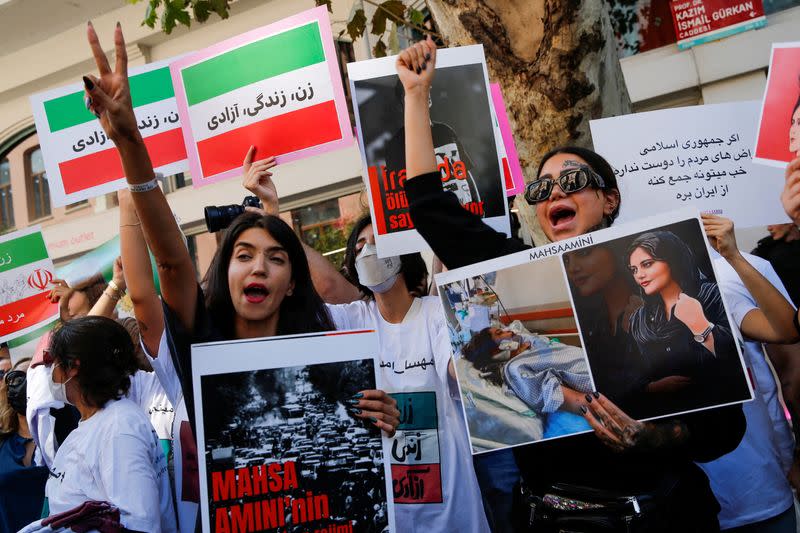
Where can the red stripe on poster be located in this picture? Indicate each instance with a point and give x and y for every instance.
(30, 310)
(507, 174)
(377, 201)
(283, 134)
(103, 167)
(335, 333)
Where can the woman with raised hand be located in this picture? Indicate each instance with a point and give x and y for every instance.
(773, 321)
(575, 193)
(258, 284)
(150, 318)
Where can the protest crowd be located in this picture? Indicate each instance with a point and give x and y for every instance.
(680, 420)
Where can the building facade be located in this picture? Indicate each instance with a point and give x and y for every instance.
(322, 195)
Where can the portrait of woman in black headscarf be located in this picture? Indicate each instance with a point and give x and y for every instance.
(685, 340)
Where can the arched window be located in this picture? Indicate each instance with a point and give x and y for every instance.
(38, 188)
(6, 205)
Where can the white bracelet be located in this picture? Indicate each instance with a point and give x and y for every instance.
(143, 187)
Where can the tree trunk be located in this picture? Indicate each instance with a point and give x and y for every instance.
(556, 62)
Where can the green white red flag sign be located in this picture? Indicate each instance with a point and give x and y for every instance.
(81, 162)
(26, 271)
(277, 87)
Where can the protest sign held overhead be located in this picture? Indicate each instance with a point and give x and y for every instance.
(278, 88)
(527, 354)
(778, 140)
(702, 21)
(279, 446)
(699, 156)
(467, 145)
(26, 271)
(514, 180)
(81, 162)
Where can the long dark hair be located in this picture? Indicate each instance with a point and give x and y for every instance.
(478, 351)
(412, 266)
(668, 247)
(597, 163)
(105, 352)
(302, 312)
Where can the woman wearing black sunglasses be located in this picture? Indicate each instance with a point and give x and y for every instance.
(653, 461)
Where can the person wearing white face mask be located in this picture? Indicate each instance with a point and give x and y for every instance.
(113, 455)
(416, 368)
(435, 488)
(378, 274)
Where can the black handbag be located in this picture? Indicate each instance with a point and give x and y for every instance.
(565, 508)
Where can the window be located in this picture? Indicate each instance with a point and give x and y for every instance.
(326, 225)
(37, 187)
(174, 182)
(6, 205)
(77, 205)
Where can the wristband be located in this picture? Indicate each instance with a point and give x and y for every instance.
(114, 287)
(113, 294)
(143, 187)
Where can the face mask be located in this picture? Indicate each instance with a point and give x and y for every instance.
(16, 385)
(59, 390)
(376, 273)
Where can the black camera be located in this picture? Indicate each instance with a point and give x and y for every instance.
(219, 217)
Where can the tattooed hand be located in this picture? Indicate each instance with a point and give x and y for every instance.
(620, 432)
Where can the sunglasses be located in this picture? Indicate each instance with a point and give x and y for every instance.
(14, 378)
(570, 181)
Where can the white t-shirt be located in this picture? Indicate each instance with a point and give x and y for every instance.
(434, 482)
(750, 483)
(115, 456)
(146, 391)
(184, 449)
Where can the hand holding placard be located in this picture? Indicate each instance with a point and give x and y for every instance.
(412, 65)
(721, 237)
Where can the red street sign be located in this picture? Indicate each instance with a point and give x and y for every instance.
(40, 279)
(699, 21)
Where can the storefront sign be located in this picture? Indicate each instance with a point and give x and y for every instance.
(702, 21)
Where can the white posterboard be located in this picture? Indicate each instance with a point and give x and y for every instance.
(699, 156)
(277, 407)
(549, 344)
(469, 148)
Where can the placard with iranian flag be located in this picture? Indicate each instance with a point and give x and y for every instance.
(81, 162)
(26, 271)
(278, 88)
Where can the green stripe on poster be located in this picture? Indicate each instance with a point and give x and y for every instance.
(21, 251)
(260, 60)
(34, 335)
(146, 88)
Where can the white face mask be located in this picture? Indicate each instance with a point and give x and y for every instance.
(59, 390)
(376, 273)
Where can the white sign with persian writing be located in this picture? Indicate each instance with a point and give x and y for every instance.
(699, 156)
